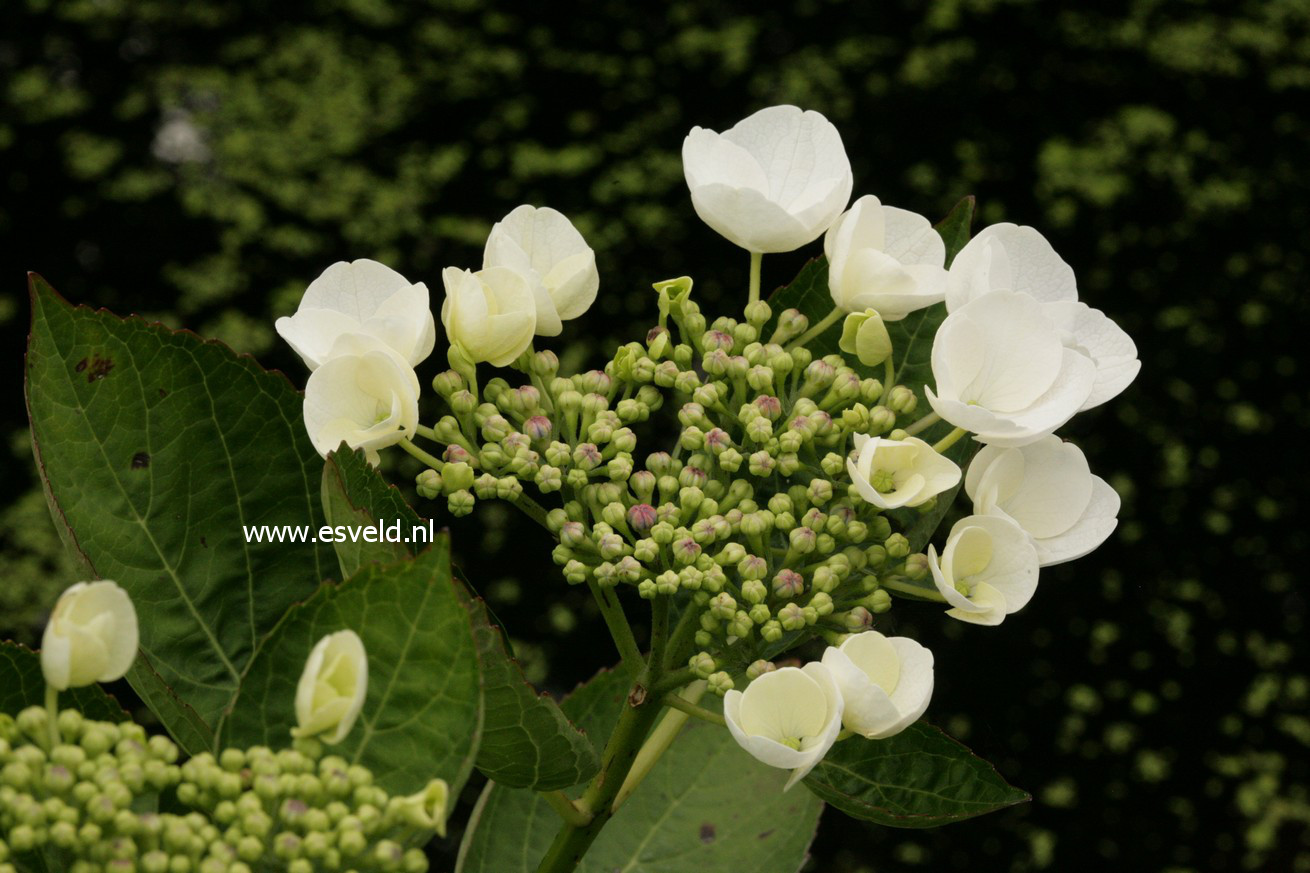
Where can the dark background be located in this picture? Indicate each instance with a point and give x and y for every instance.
(199, 163)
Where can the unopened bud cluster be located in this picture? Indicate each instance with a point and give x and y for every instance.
(751, 511)
(81, 805)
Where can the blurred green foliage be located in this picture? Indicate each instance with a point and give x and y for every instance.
(200, 162)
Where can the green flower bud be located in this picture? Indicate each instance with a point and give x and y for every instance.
(788, 583)
(720, 683)
(791, 616)
(879, 601)
(761, 464)
(428, 484)
(771, 631)
(916, 567)
(897, 546)
(702, 664)
(730, 460)
(857, 619)
(865, 336)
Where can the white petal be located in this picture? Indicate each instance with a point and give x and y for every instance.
(710, 159)
(1034, 267)
(867, 707)
(990, 610)
(355, 289)
(312, 332)
(1054, 488)
(748, 219)
(1107, 344)
(914, 690)
(1097, 523)
(946, 587)
(1012, 570)
(911, 239)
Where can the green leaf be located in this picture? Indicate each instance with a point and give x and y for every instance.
(423, 712)
(22, 685)
(527, 741)
(919, 778)
(349, 500)
(706, 806)
(156, 448)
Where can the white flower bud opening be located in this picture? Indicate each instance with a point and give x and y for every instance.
(490, 315)
(544, 247)
(91, 636)
(365, 395)
(895, 473)
(884, 258)
(331, 691)
(987, 570)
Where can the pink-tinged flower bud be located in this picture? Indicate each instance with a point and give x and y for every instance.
(455, 454)
(788, 583)
(770, 407)
(717, 341)
(858, 619)
(641, 516)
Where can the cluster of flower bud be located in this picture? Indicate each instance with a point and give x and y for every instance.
(752, 512)
(82, 803)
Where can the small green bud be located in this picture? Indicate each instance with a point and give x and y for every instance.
(857, 619)
(771, 631)
(720, 683)
(897, 546)
(702, 664)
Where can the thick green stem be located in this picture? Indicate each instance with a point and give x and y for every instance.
(754, 294)
(888, 378)
(682, 634)
(617, 622)
(665, 732)
(828, 321)
(572, 841)
(659, 629)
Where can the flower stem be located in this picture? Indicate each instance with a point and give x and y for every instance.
(427, 433)
(431, 460)
(572, 841)
(665, 732)
(756, 258)
(568, 811)
(949, 440)
(922, 424)
(828, 321)
(675, 701)
(52, 714)
(617, 622)
(913, 590)
(888, 379)
(532, 509)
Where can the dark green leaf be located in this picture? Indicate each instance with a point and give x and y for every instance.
(355, 498)
(423, 714)
(706, 806)
(917, 779)
(22, 685)
(157, 448)
(527, 741)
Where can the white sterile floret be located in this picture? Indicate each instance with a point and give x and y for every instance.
(1047, 489)
(91, 636)
(884, 258)
(771, 183)
(332, 687)
(490, 315)
(1006, 257)
(365, 395)
(895, 473)
(361, 297)
(987, 570)
(788, 718)
(1003, 372)
(545, 247)
(885, 682)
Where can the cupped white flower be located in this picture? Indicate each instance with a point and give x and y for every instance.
(895, 473)
(987, 570)
(332, 688)
(1009, 258)
(545, 247)
(1003, 372)
(884, 258)
(365, 395)
(1048, 490)
(885, 682)
(771, 183)
(91, 636)
(361, 297)
(788, 718)
(491, 315)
